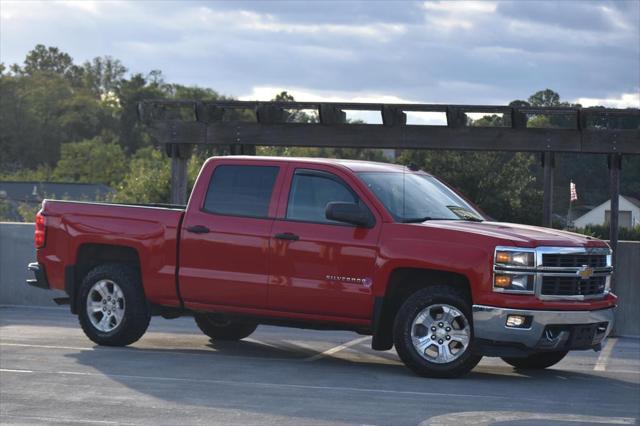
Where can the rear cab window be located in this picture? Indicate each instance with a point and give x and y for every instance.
(241, 190)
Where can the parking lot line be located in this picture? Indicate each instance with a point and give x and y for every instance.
(603, 358)
(67, 420)
(26, 345)
(9, 370)
(336, 349)
(486, 418)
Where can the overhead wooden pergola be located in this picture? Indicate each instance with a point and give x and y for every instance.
(243, 125)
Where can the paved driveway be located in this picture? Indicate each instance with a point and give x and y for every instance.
(50, 373)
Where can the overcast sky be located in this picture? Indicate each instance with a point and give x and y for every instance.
(433, 52)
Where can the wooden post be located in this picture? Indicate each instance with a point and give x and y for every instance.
(615, 164)
(236, 149)
(548, 162)
(179, 158)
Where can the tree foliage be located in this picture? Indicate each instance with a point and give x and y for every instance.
(93, 160)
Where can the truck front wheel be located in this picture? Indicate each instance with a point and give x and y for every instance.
(113, 310)
(536, 361)
(219, 328)
(433, 334)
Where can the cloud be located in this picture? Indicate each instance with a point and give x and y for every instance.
(626, 100)
(443, 52)
(451, 15)
(371, 117)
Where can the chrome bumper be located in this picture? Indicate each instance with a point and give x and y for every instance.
(547, 330)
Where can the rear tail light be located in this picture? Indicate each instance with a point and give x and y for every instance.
(40, 236)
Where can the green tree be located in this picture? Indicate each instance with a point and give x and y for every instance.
(545, 98)
(149, 177)
(97, 160)
(104, 75)
(51, 60)
(43, 104)
(133, 134)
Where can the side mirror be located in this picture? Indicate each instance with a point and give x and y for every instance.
(353, 213)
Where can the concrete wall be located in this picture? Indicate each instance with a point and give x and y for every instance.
(16, 251)
(627, 287)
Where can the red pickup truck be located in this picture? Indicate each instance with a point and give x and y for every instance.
(378, 249)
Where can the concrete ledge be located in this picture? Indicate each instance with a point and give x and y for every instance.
(627, 288)
(16, 251)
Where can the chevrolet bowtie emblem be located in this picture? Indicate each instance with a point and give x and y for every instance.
(585, 272)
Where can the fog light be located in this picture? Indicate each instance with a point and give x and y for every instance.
(516, 321)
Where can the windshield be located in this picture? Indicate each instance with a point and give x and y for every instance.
(412, 197)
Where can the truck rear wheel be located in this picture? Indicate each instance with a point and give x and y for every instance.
(219, 328)
(113, 310)
(536, 361)
(433, 334)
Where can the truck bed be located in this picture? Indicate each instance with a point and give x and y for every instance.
(151, 231)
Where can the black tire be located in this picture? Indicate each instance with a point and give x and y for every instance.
(410, 309)
(536, 361)
(136, 317)
(218, 328)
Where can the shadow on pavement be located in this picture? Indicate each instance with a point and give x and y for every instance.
(275, 380)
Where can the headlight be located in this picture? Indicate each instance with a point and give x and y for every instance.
(516, 283)
(514, 270)
(515, 258)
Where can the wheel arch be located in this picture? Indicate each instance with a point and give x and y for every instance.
(402, 283)
(90, 255)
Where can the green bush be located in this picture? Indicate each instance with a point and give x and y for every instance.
(93, 160)
(602, 232)
(149, 177)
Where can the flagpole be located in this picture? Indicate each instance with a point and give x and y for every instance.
(572, 197)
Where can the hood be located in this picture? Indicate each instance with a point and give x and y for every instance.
(518, 235)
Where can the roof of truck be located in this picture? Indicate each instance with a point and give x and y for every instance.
(353, 165)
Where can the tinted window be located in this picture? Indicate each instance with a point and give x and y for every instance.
(310, 194)
(241, 190)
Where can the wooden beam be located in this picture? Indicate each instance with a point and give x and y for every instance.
(400, 137)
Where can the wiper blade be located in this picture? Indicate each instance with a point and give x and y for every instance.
(416, 219)
(424, 219)
(473, 219)
(465, 214)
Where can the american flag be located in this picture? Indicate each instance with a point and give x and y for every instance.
(574, 194)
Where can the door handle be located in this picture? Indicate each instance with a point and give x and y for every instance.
(287, 236)
(198, 229)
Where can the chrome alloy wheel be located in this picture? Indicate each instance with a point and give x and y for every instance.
(440, 333)
(105, 305)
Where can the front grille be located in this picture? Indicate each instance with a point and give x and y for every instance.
(573, 286)
(574, 260)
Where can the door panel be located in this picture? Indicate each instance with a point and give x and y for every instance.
(328, 269)
(224, 246)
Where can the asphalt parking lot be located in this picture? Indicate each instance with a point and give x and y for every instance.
(50, 373)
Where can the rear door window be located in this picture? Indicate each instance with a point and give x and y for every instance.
(241, 190)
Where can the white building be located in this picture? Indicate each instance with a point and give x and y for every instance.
(629, 214)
